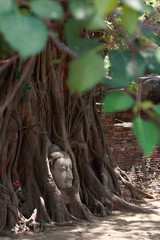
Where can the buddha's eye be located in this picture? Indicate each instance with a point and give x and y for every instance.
(62, 169)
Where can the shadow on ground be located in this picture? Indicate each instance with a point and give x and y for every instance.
(118, 226)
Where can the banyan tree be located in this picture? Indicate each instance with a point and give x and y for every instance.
(55, 164)
(39, 117)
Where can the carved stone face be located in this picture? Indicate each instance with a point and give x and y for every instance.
(62, 172)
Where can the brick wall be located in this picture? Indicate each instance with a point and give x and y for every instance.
(123, 144)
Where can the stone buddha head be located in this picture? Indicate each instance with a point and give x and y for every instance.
(61, 169)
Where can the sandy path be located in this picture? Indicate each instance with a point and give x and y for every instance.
(118, 226)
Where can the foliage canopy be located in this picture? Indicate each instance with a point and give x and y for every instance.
(127, 31)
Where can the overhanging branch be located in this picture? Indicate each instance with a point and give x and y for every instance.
(10, 96)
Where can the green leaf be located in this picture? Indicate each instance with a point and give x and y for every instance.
(47, 9)
(132, 86)
(149, 9)
(103, 7)
(151, 58)
(137, 5)
(85, 71)
(72, 31)
(157, 55)
(85, 45)
(156, 108)
(5, 50)
(117, 101)
(119, 61)
(6, 6)
(151, 35)
(122, 68)
(147, 104)
(81, 9)
(24, 33)
(146, 133)
(96, 23)
(130, 19)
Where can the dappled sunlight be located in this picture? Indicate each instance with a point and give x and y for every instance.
(117, 226)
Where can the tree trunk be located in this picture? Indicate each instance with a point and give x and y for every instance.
(41, 112)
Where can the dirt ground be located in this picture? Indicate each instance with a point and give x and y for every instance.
(118, 226)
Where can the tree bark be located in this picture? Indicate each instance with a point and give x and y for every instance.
(42, 112)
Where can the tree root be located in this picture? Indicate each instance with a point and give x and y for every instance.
(121, 205)
(8, 211)
(128, 182)
(7, 234)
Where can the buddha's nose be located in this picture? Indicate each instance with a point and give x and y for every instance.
(70, 175)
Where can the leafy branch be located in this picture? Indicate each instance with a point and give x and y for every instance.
(126, 30)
